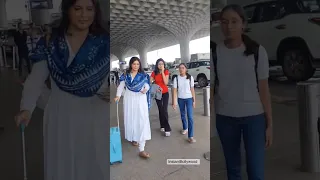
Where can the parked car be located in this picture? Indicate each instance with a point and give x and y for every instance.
(288, 29)
(173, 70)
(200, 70)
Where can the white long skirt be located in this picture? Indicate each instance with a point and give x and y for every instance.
(75, 137)
(136, 116)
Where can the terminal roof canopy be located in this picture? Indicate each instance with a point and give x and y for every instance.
(155, 24)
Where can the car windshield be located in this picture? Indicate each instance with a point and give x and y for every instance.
(204, 63)
(173, 66)
(309, 6)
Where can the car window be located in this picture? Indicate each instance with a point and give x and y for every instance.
(215, 17)
(194, 65)
(309, 6)
(250, 12)
(270, 11)
(204, 63)
(190, 65)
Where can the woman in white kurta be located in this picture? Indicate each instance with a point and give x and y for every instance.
(75, 126)
(136, 105)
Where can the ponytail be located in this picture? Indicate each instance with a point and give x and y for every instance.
(188, 75)
(251, 46)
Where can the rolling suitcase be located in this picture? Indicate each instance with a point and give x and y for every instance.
(115, 142)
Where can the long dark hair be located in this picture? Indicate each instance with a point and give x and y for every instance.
(156, 69)
(95, 28)
(187, 74)
(251, 45)
(132, 60)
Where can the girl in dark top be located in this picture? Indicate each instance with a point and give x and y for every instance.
(20, 39)
(116, 74)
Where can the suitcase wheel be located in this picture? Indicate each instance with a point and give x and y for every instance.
(115, 162)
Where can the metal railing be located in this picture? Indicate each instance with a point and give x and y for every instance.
(3, 56)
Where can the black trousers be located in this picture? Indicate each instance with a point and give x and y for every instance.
(23, 57)
(163, 112)
(117, 80)
(108, 81)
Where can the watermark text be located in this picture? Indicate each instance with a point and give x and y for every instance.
(183, 161)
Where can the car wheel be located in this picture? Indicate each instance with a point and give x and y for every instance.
(297, 65)
(202, 81)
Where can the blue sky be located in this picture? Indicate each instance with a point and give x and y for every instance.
(169, 54)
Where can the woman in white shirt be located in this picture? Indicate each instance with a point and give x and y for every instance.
(241, 96)
(183, 85)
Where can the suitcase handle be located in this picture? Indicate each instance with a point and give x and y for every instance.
(22, 127)
(118, 114)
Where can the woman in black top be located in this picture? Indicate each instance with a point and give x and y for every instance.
(20, 38)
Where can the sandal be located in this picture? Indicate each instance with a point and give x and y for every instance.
(134, 143)
(191, 140)
(144, 155)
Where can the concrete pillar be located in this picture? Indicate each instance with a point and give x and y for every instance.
(41, 16)
(3, 14)
(184, 49)
(110, 64)
(143, 57)
(122, 66)
(121, 59)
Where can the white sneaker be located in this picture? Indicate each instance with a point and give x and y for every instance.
(167, 134)
(161, 129)
(183, 132)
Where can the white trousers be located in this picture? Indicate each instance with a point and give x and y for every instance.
(142, 144)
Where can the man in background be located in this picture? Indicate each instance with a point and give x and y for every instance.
(116, 74)
(20, 39)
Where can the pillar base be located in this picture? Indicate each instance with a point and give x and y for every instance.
(207, 156)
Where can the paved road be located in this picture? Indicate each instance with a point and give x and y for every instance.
(163, 148)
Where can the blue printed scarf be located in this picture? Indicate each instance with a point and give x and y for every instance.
(88, 70)
(137, 83)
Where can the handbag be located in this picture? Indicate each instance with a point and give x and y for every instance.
(115, 142)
